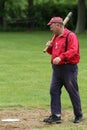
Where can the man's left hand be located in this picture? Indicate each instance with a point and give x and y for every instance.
(56, 60)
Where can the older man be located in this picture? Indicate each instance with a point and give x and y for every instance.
(65, 56)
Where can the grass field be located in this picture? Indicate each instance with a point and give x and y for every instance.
(25, 72)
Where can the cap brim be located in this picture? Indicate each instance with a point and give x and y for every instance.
(49, 23)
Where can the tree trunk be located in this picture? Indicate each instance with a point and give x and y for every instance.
(31, 14)
(2, 15)
(30, 2)
(81, 20)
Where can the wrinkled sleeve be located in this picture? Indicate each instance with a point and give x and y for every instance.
(49, 50)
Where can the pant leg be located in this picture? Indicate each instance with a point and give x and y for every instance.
(55, 91)
(71, 85)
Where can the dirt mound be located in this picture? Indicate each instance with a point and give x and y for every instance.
(32, 119)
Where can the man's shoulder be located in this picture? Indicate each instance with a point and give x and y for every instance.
(71, 33)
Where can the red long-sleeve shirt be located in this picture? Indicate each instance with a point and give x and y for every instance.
(72, 54)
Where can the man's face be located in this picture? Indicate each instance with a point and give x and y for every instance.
(54, 27)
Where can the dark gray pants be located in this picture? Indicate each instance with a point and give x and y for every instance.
(65, 75)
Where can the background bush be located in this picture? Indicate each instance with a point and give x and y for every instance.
(39, 15)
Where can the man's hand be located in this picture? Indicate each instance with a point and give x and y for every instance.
(49, 44)
(56, 60)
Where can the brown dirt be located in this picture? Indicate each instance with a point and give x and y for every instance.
(33, 119)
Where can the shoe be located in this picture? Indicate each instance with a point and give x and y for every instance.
(52, 119)
(78, 119)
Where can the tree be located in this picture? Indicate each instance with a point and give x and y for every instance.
(81, 20)
(30, 2)
(31, 13)
(11, 9)
(2, 13)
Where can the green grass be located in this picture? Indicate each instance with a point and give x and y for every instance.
(24, 70)
(25, 73)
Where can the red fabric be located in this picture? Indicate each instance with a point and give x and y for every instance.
(72, 54)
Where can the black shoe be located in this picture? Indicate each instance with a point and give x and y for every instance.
(78, 119)
(53, 119)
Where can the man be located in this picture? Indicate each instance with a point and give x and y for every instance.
(65, 58)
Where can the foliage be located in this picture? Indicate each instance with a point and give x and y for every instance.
(42, 13)
(15, 9)
(20, 15)
(56, 1)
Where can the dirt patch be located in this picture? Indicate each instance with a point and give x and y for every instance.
(33, 119)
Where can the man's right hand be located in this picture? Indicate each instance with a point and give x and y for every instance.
(49, 44)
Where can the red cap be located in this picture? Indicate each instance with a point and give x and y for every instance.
(55, 20)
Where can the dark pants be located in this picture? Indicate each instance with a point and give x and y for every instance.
(65, 75)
